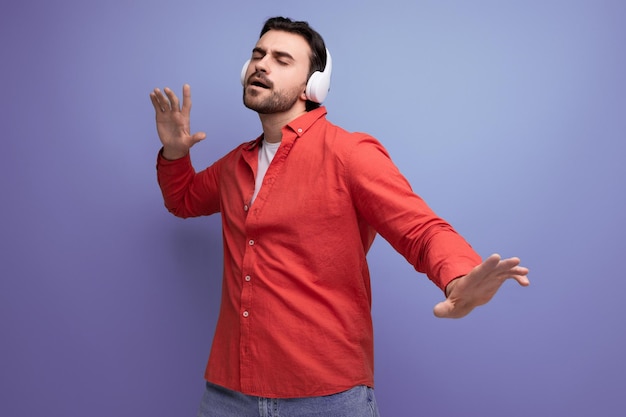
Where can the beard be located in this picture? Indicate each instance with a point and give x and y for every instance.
(278, 101)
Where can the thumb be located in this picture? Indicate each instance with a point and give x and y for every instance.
(450, 310)
(443, 309)
(197, 137)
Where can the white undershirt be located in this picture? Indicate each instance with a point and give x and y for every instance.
(266, 154)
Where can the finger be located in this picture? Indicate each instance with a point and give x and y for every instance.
(521, 280)
(186, 98)
(487, 266)
(155, 103)
(511, 269)
(509, 263)
(493, 260)
(162, 101)
(519, 270)
(173, 99)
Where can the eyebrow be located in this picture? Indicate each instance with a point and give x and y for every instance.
(278, 54)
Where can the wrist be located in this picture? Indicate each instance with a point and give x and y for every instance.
(451, 286)
(172, 154)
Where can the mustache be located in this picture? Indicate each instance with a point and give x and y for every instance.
(260, 77)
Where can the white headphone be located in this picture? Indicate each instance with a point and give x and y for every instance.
(318, 85)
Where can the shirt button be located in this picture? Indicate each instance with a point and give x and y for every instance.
(246, 314)
(248, 278)
(245, 208)
(251, 242)
(299, 130)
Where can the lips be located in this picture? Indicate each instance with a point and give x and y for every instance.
(259, 80)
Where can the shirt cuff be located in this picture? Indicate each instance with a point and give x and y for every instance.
(162, 161)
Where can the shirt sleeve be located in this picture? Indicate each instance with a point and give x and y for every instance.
(185, 192)
(384, 198)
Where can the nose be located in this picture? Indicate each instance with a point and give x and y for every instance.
(262, 65)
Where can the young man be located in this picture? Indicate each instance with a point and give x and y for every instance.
(300, 207)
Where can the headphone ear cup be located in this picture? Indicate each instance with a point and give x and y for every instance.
(317, 87)
(243, 72)
(319, 82)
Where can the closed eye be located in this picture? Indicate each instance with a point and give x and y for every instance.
(257, 53)
(281, 57)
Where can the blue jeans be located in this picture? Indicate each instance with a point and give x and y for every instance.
(221, 402)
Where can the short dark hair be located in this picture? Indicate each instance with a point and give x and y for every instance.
(313, 38)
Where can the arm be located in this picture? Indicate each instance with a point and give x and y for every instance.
(185, 193)
(385, 199)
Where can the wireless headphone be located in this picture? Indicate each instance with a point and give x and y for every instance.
(317, 86)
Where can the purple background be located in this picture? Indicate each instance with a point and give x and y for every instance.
(509, 118)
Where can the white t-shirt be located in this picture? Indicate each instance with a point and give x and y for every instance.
(266, 154)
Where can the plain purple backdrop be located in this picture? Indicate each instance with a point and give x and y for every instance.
(509, 118)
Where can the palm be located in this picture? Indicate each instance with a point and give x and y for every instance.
(173, 127)
(172, 122)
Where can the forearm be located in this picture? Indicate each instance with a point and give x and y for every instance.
(185, 193)
(444, 255)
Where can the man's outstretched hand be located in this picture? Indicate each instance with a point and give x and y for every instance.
(479, 286)
(172, 122)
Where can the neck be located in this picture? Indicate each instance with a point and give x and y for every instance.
(273, 123)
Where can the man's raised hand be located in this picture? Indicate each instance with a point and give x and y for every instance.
(173, 122)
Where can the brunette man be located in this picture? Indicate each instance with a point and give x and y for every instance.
(300, 207)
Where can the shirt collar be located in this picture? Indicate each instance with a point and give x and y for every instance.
(299, 125)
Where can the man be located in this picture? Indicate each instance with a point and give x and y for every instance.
(300, 207)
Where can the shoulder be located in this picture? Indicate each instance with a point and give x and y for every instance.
(241, 149)
(352, 144)
(347, 140)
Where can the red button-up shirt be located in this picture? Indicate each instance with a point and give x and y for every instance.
(295, 316)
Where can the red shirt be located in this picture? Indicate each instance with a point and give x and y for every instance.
(295, 316)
